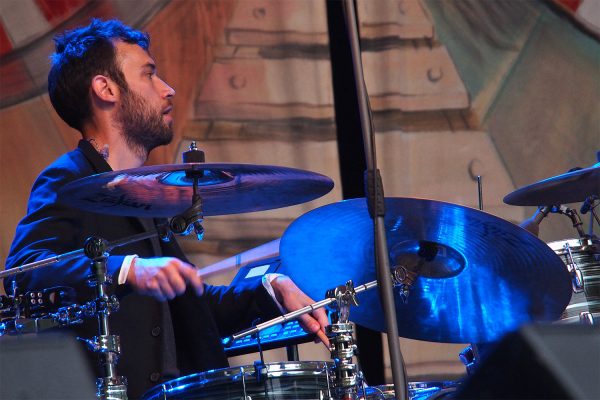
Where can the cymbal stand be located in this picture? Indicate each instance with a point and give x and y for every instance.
(110, 386)
(160, 232)
(17, 306)
(574, 216)
(589, 205)
(291, 315)
(191, 218)
(342, 347)
(469, 356)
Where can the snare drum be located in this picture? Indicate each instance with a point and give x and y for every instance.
(582, 259)
(283, 380)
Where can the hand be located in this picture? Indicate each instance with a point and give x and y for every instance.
(163, 277)
(292, 298)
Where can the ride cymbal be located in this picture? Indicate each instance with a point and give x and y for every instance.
(480, 276)
(571, 187)
(166, 190)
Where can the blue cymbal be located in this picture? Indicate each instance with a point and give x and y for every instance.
(479, 276)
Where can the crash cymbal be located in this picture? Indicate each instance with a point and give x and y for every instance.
(481, 276)
(571, 187)
(166, 190)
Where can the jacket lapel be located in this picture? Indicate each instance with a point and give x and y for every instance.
(100, 165)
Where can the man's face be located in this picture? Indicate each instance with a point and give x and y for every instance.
(144, 110)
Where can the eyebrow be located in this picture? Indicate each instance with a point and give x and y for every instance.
(150, 65)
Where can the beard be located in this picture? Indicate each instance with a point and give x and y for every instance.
(143, 128)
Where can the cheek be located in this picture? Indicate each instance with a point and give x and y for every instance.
(152, 99)
(146, 89)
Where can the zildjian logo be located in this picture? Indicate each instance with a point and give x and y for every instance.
(113, 201)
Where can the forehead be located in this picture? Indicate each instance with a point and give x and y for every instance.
(132, 56)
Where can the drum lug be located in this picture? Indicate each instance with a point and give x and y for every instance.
(576, 275)
(467, 357)
(586, 318)
(576, 278)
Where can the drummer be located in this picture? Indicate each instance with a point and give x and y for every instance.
(104, 83)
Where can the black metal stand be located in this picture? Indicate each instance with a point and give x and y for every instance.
(348, 379)
(376, 203)
(292, 352)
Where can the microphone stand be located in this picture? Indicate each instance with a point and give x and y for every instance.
(376, 206)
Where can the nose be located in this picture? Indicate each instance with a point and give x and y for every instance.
(168, 91)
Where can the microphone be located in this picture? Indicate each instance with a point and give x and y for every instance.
(533, 224)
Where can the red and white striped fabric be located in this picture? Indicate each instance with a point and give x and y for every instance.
(26, 28)
(22, 21)
(585, 12)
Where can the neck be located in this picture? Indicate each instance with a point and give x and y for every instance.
(115, 150)
(121, 156)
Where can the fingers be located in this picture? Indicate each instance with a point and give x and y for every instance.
(309, 324)
(190, 274)
(165, 288)
(176, 282)
(292, 298)
(315, 321)
(321, 316)
(163, 277)
(152, 288)
(312, 325)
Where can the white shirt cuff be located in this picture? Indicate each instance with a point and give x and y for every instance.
(266, 281)
(127, 261)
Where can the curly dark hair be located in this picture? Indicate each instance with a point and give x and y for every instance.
(81, 54)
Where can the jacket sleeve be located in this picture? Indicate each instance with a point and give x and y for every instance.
(50, 229)
(233, 308)
(236, 307)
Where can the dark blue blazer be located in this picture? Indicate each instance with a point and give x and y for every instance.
(50, 228)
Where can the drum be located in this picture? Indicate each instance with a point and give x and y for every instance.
(416, 391)
(283, 380)
(582, 259)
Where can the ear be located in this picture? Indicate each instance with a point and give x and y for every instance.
(105, 89)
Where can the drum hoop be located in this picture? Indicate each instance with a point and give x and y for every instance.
(245, 373)
(414, 388)
(575, 244)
